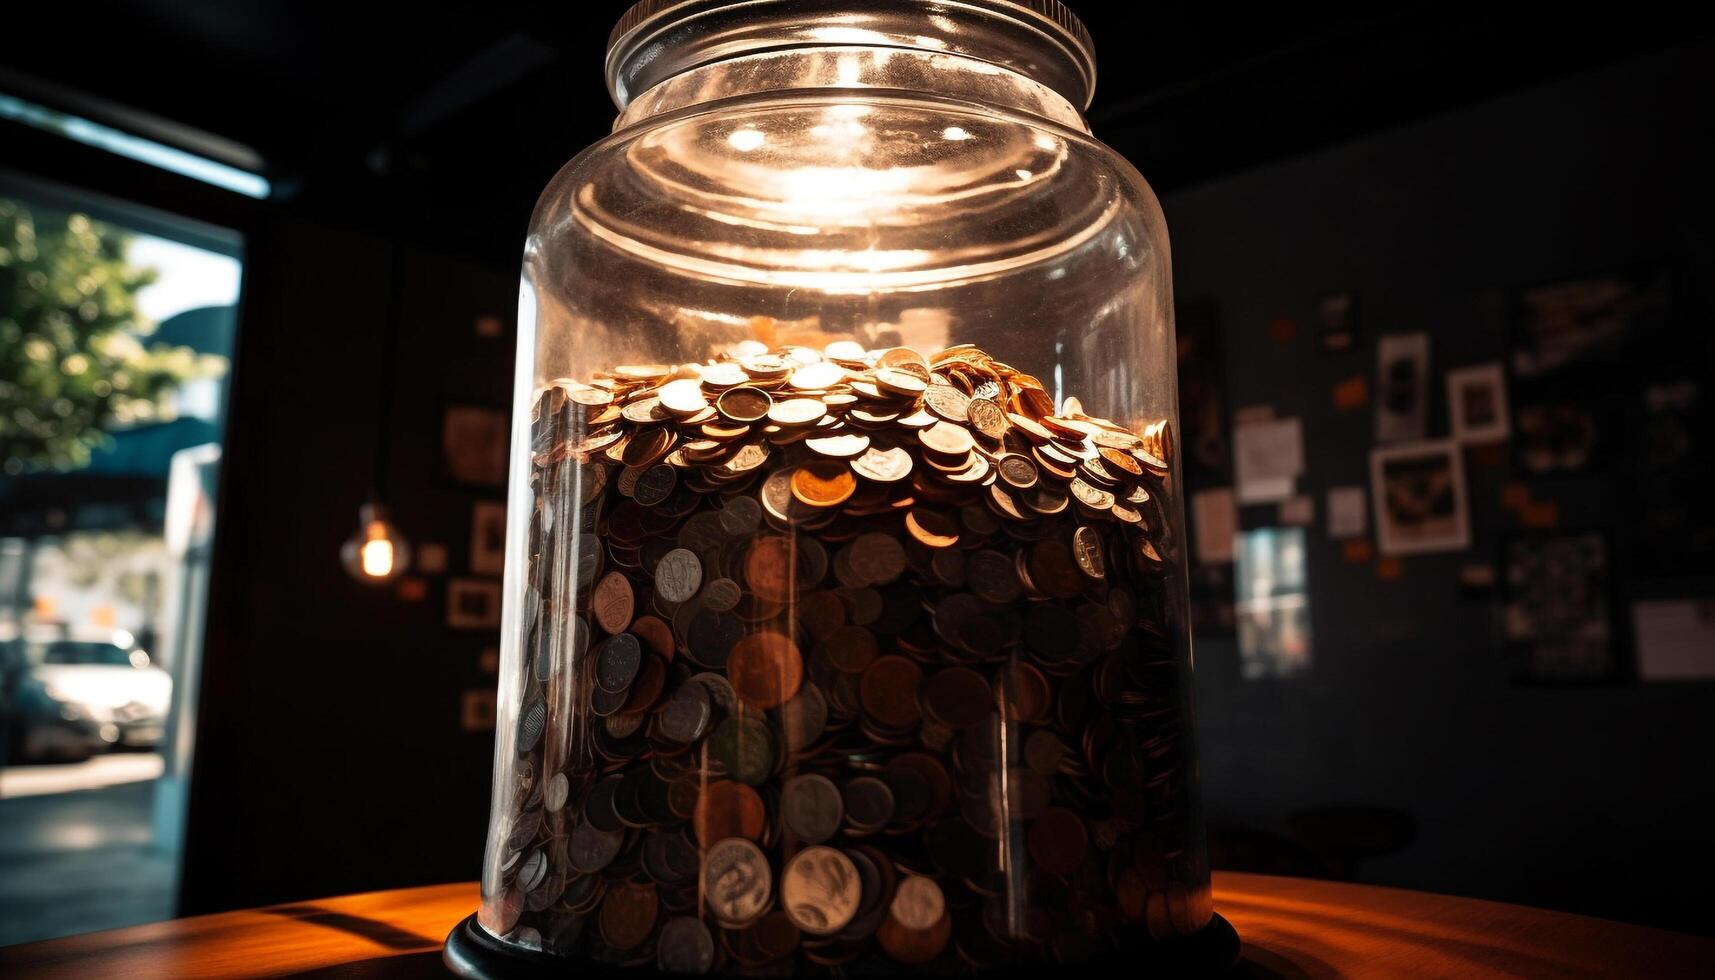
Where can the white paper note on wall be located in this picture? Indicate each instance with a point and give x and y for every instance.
(1675, 639)
(1268, 458)
(1348, 515)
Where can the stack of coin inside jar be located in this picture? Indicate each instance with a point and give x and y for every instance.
(845, 658)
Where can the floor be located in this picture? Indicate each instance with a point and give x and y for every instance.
(76, 848)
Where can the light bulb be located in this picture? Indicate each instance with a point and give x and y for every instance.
(377, 552)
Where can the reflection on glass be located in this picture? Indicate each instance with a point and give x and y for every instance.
(1273, 605)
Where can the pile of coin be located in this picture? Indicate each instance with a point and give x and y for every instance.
(849, 659)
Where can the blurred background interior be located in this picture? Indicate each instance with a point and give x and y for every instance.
(1445, 291)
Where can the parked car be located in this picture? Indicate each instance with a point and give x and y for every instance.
(66, 694)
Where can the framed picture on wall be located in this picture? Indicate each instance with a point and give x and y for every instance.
(1402, 387)
(1477, 403)
(488, 537)
(1419, 495)
(473, 604)
(473, 445)
(1337, 316)
(1557, 625)
(1588, 323)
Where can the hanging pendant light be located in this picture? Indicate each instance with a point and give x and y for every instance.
(378, 553)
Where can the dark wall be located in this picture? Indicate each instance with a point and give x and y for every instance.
(1595, 799)
(332, 758)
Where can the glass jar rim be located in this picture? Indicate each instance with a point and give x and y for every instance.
(1040, 39)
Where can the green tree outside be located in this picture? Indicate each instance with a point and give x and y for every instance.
(74, 362)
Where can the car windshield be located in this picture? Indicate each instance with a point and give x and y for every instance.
(82, 652)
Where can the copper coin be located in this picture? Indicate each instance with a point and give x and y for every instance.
(613, 602)
(656, 635)
(744, 404)
(1058, 841)
(889, 691)
(728, 809)
(932, 529)
(1054, 570)
(648, 447)
(628, 915)
(1023, 692)
(820, 890)
(877, 558)
(958, 696)
(917, 903)
(850, 649)
(823, 483)
(765, 669)
(768, 568)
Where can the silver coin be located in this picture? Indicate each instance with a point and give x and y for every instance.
(686, 714)
(804, 718)
(678, 576)
(722, 595)
(534, 871)
(685, 946)
(559, 788)
(618, 663)
(737, 881)
(811, 807)
(741, 516)
(531, 721)
(592, 850)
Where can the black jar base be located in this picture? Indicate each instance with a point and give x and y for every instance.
(471, 952)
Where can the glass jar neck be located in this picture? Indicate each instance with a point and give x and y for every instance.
(854, 71)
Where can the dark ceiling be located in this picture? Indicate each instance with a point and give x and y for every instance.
(456, 115)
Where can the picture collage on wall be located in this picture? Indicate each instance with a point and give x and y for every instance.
(1587, 387)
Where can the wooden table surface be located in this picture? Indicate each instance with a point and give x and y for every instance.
(1290, 927)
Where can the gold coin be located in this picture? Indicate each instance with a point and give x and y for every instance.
(893, 381)
(797, 411)
(987, 418)
(682, 397)
(947, 439)
(815, 377)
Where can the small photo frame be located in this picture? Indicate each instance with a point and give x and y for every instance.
(473, 604)
(1477, 403)
(1402, 387)
(1558, 619)
(1418, 491)
(1337, 317)
(473, 445)
(488, 537)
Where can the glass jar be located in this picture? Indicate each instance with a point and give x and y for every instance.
(845, 613)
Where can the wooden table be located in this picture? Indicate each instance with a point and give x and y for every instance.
(1290, 927)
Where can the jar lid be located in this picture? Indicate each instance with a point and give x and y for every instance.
(1040, 39)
